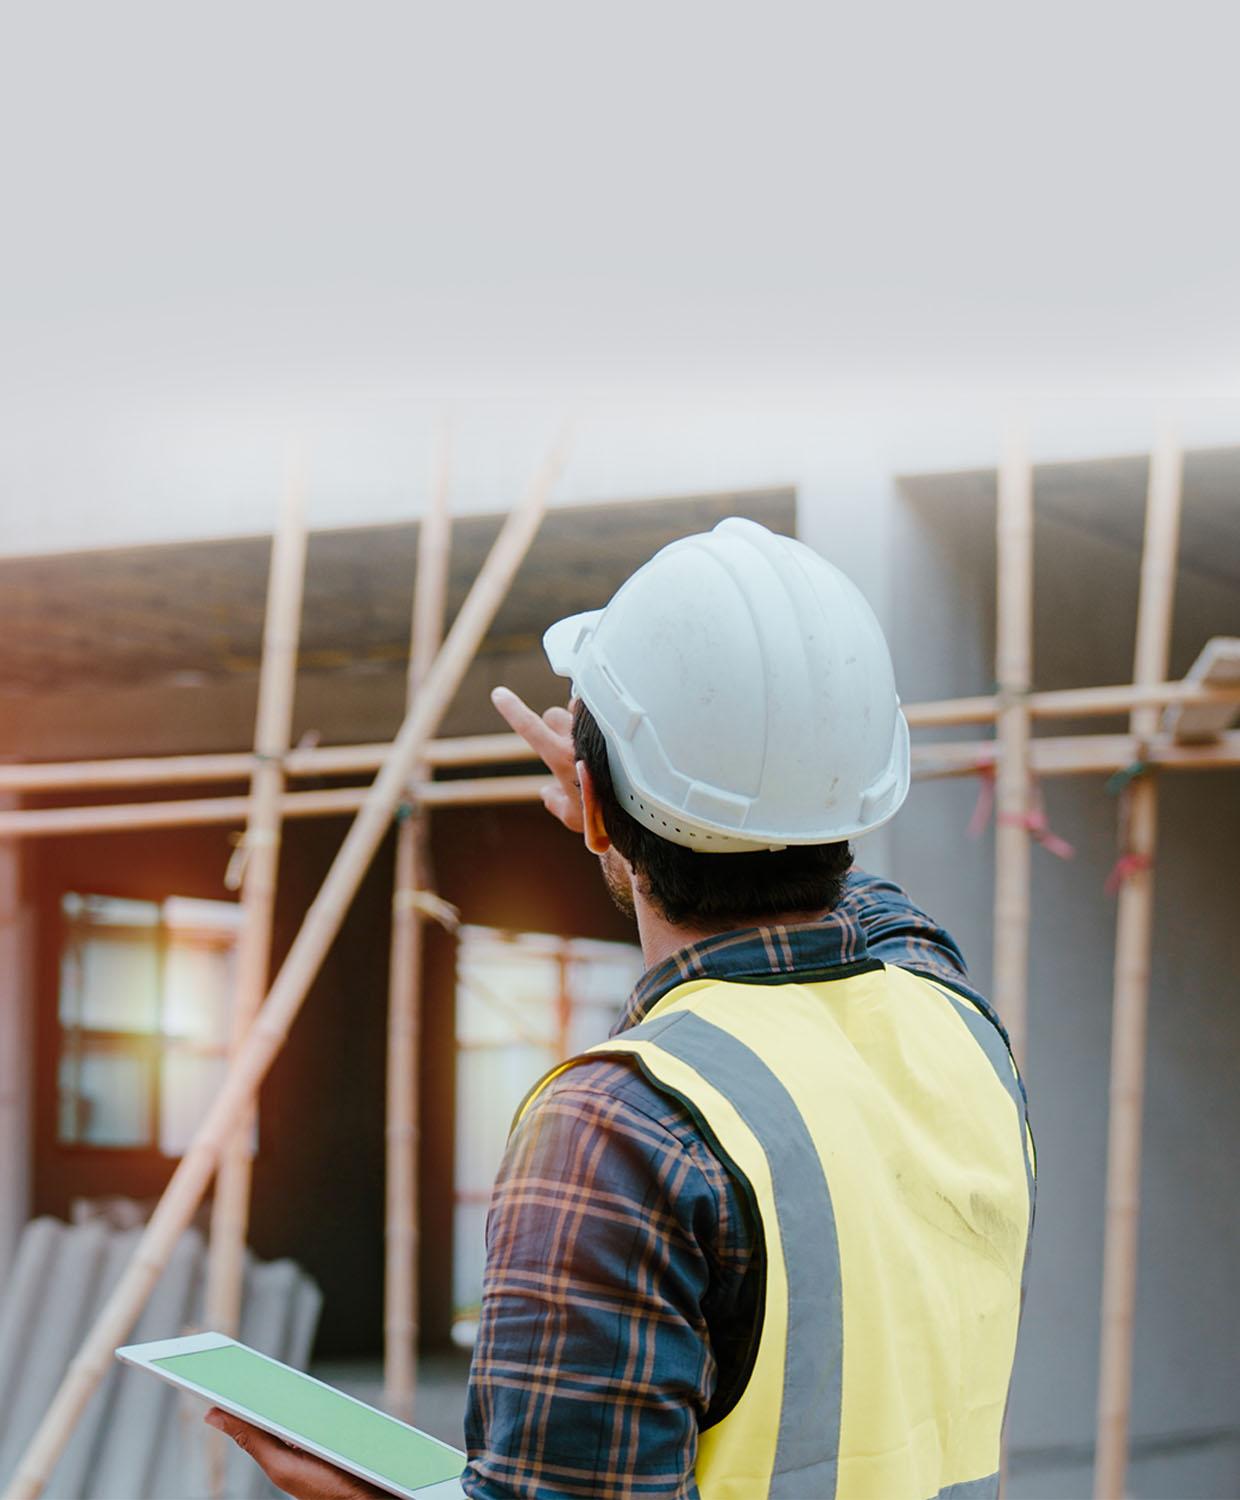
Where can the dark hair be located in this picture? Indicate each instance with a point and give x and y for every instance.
(685, 885)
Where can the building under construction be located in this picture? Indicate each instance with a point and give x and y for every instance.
(1064, 627)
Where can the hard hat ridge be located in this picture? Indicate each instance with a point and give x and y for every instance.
(745, 692)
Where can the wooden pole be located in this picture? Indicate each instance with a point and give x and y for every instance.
(1014, 674)
(1076, 755)
(1067, 755)
(413, 874)
(1071, 703)
(1139, 830)
(248, 1068)
(492, 749)
(44, 822)
(317, 760)
(260, 853)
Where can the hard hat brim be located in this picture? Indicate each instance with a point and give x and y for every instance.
(563, 641)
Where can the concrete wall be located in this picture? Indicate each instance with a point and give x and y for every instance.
(1186, 1436)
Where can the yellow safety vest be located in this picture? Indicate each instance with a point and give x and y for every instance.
(878, 1123)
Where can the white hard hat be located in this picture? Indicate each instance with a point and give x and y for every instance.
(745, 692)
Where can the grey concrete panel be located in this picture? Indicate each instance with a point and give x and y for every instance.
(71, 1476)
(62, 1313)
(145, 1407)
(138, 1439)
(269, 1291)
(307, 1305)
(23, 1295)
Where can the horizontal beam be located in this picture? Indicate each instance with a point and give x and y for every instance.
(498, 749)
(1076, 755)
(45, 822)
(1068, 755)
(184, 770)
(1070, 703)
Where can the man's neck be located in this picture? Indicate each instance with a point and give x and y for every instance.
(661, 938)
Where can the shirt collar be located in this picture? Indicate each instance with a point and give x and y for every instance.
(751, 953)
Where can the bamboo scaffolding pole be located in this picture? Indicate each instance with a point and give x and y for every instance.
(1014, 675)
(1070, 703)
(1134, 918)
(494, 749)
(246, 1071)
(1079, 755)
(413, 874)
(317, 760)
(260, 856)
(1068, 755)
(126, 817)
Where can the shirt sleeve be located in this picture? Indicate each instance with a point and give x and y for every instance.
(899, 932)
(593, 1366)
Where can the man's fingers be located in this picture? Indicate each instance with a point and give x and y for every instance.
(564, 805)
(261, 1446)
(552, 743)
(559, 721)
(233, 1427)
(296, 1473)
(549, 735)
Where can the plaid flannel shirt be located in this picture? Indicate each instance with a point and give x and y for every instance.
(623, 1270)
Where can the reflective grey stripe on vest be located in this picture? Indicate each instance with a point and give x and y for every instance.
(993, 1045)
(807, 1448)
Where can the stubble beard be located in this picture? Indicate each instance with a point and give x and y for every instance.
(618, 882)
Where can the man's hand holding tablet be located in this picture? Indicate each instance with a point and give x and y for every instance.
(291, 1469)
(313, 1442)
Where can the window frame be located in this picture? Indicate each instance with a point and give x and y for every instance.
(153, 1046)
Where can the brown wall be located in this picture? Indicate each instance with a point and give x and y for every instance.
(318, 1184)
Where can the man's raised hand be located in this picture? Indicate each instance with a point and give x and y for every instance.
(549, 735)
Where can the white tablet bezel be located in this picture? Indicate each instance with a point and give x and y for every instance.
(142, 1357)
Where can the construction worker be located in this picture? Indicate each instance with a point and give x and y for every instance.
(769, 1239)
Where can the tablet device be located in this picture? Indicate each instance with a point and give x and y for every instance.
(355, 1437)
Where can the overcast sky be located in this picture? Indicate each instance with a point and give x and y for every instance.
(497, 192)
(266, 206)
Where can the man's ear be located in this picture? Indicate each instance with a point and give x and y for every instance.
(595, 829)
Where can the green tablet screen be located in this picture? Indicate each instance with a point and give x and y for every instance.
(323, 1416)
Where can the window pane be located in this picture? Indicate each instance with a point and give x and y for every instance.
(105, 1095)
(188, 1085)
(491, 1084)
(509, 1013)
(109, 973)
(199, 968)
(469, 1238)
(600, 979)
(506, 988)
(198, 986)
